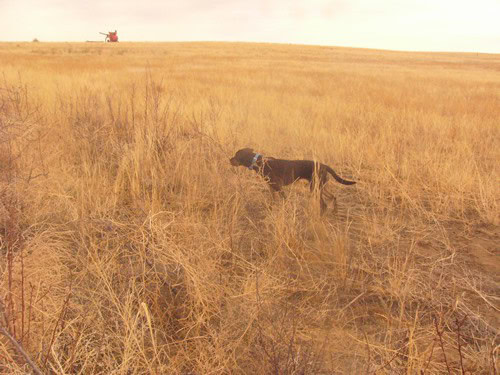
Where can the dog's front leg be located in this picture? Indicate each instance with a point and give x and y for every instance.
(276, 189)
(281, 194)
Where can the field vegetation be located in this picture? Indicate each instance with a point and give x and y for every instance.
(129, 245)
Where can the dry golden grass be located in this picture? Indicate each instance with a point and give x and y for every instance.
(129, 245)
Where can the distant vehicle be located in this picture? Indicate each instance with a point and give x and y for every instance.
(111, 36)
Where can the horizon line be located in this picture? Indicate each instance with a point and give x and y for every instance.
(254, 42)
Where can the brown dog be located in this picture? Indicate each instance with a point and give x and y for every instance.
(280, 172)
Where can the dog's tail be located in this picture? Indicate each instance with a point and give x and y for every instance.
(338, 178)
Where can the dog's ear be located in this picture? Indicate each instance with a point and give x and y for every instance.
(247, 149)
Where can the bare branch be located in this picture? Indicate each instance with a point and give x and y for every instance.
(20, 350)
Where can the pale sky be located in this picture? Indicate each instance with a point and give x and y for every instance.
(415, 25)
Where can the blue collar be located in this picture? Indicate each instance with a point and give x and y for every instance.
(254, 161)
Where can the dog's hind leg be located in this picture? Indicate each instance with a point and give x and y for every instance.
(322, 205)
(330, 196)
(316, 186)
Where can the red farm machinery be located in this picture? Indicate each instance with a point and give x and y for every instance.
(111, 36)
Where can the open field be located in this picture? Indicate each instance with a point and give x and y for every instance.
(129, 245)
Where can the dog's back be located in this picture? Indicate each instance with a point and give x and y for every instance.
(289, 171)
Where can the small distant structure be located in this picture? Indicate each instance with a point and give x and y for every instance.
(35, 40)
(111, 36)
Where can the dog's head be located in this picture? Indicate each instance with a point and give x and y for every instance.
(243, 157)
